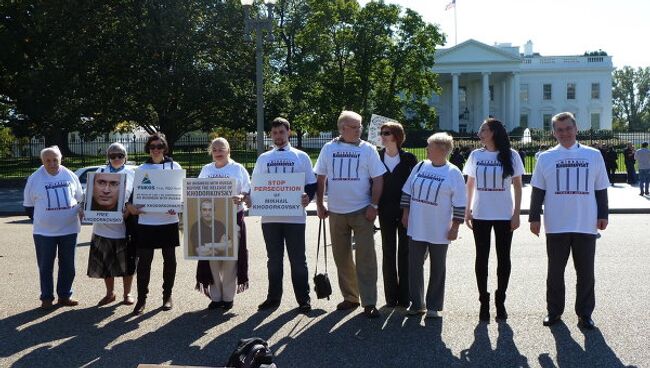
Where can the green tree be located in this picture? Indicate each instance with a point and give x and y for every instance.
(631, 98)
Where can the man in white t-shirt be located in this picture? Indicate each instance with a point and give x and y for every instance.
(642, 156)
(353, 172)
(570, 180)
(289, 230)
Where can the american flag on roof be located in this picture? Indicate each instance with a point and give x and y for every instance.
(452, 4)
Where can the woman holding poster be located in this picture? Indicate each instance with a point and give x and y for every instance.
(156, 231)
(109, 255)
(220, 280)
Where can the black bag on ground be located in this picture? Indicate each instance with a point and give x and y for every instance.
(322, 285)
(252, 353)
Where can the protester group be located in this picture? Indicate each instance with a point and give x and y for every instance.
(419, 206)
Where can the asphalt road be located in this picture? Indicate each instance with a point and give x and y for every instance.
(109, 336)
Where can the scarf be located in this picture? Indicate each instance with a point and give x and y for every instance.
(204, 274)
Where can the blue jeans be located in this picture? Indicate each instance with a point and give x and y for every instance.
(275, 236)
(46, 252)
(644, 180)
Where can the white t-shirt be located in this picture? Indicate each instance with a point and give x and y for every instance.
(290, 160)
(55, 199)
(153, 218)
(391, 162)
(116, 231)
(348, 168)
(434, 191)
(570, 178)
(492, 193)
(231, 170)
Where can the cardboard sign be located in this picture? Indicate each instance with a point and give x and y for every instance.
(105, 198)
(210, 219)
(158, 190)
(374, 128)
(277, 194)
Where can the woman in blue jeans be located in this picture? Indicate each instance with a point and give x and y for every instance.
(52, 199)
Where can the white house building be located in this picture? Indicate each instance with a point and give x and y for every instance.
(520, 89)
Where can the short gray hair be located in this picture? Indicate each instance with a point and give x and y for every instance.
(51, 149)
(116, 147)
(563, 116)
(443, 139)
(348, 115)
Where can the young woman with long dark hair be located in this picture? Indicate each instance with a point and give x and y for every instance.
(492, 172)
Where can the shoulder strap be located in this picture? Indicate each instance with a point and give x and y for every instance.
(321, 227)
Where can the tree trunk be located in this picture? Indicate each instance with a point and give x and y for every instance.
(59, 138)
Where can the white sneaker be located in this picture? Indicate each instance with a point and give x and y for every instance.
(433, 314)
(413, 311)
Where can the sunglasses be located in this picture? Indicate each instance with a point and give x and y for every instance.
(386, 133)
(116, 156)
(157, 146)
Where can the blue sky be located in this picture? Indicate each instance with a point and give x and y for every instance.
(569, 27)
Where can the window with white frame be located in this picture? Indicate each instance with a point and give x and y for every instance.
(491, 93)
(570, 91)
(595, 91)
(595, 120)
(523, 120)
(546, 93)
(523, 93)
(546, 118)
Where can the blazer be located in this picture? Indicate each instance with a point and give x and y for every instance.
(394, 181)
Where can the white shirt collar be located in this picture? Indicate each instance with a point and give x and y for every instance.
(286, 147)
(575, 146)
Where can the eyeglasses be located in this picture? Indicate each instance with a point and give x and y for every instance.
(157, 146)
(116, 156)
(386, 132)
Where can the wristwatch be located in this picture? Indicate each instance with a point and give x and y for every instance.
(375, 206)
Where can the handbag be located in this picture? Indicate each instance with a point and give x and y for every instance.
(322, 285)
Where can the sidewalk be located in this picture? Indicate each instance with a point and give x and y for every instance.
(623, 198)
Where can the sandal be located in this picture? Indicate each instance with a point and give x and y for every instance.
(107, 300)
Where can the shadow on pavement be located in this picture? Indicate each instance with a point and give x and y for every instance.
(596, 353)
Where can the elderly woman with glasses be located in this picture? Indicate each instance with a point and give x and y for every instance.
(52, 198)
(394, 240)
(156, 231)
(110, 255)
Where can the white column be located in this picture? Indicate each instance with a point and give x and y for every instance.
(486, 96)
(516, 108)
(454, 102)
(511, 102)
(504, 112)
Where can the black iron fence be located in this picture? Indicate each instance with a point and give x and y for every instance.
(191, 152)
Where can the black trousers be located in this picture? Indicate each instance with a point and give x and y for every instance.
(145, 257)
(503, 238)
(583, 248)
(395, 258)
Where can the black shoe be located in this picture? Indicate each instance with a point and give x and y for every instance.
(586, 322)
(345, 305)
(370, 311)
(269, 304)
(484, 311)
(499, 302)
(391, 304)
(215, 305)
(139, 307)
(304, 308)
(550, 320)
(227, 305)
(167, 303)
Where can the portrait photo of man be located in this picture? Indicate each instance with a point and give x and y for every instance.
(106, 189)
(208, 234)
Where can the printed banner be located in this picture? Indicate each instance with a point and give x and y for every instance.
(374, 133)
(277, 194)
(104, 198)
(210, 219)
(158, 190)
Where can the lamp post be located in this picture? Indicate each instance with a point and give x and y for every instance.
(259, 23)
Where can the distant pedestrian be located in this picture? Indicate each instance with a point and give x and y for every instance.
(570, 181)
(53, 197)
(628, 156)
(457, 158)
(642, 156)
(611, 162)
(492, 173)
(433, 203)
